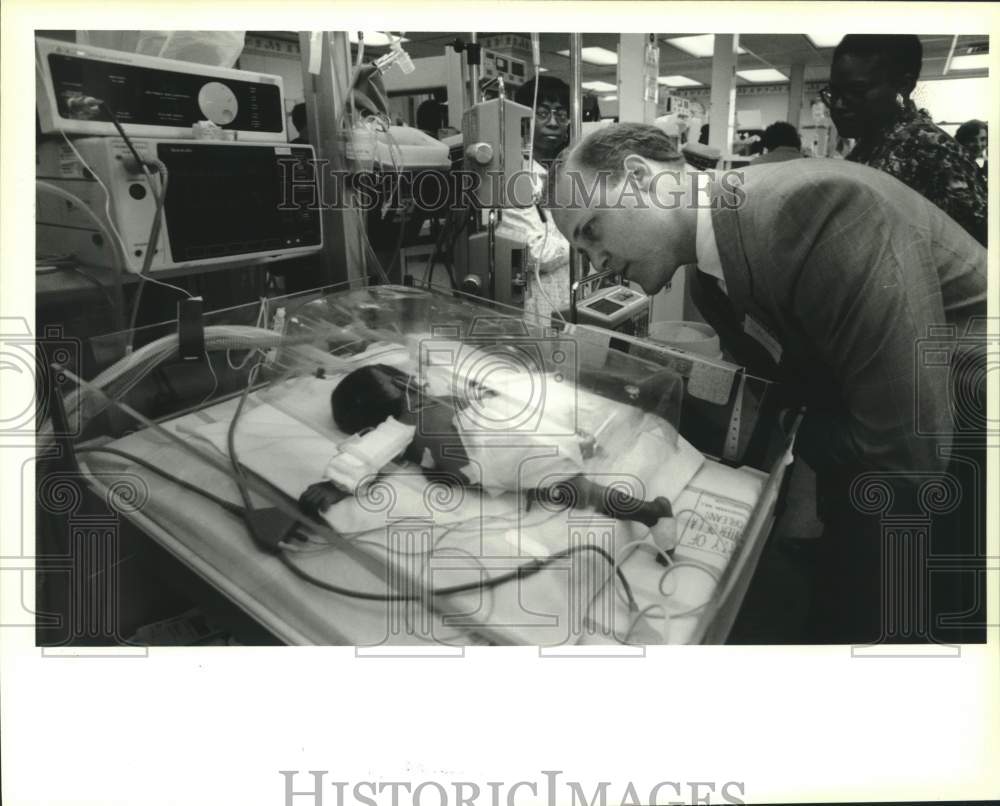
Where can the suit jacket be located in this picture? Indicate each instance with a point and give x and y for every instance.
(835, 272)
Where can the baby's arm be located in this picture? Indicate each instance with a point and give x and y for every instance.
(356, 464)
(319, 497)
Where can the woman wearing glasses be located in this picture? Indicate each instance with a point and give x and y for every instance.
(548, 250)
(871, 79)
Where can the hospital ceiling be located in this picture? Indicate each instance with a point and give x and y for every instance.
(779, 51)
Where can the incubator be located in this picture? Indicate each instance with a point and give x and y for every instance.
(215, 455)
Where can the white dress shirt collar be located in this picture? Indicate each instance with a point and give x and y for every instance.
(706, 249)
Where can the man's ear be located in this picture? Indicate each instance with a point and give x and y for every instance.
(641, 168)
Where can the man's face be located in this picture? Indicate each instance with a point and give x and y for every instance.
(551, 127)
(631, 233)
(863, 99)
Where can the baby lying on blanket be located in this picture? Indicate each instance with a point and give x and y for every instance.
(434, 432)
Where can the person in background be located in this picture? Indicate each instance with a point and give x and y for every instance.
(972, 136)
(871, 79)
(432, 116)
(551, 116)
(781, 142)
(299, 121)
(703, 135)
(548, 250)
(751, 143)
(591, 108)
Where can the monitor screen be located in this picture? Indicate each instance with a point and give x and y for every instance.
(605, 306)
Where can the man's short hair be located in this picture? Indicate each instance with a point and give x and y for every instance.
(550, 89)
(781, 134)
(899, 54)
(604, 151)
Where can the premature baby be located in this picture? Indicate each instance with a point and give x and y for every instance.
(369, 396)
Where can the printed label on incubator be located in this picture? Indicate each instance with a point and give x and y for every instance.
(713, 525)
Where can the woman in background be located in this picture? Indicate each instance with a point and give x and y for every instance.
(548, 250)
(871, 79)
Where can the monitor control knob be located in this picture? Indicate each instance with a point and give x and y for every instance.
(481, 153)
(218, 103)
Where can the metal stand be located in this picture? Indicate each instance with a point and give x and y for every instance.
(576, 132)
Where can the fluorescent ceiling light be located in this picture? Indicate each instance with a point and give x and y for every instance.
(977, 61)
(678, 81)
(762, 76)
(701, 46)
(598, 86)
(609, 97)
(825, 40)
(601, 56)
(376, 39)
(543, 69)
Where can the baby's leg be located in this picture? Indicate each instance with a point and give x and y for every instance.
(582, 492)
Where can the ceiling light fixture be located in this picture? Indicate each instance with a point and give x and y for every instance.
(763, 76)
(678, 81)
(701, 46)
(977, 61)
(600, 56)
(825, 40)
(598, 86)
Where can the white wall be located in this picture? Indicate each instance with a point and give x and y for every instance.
(954, 100)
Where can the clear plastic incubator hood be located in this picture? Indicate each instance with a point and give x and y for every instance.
(530, 486)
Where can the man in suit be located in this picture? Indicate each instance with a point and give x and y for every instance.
(821, 275)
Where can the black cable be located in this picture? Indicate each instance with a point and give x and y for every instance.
(398, 246)
(159, 197)
(121, 132)
(437, 249)
(241, 481)
(450, 233)
(229, 506)
(528, 569)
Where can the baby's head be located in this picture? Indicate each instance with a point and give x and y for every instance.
(368, 396)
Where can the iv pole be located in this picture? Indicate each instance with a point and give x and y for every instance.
(576, 132)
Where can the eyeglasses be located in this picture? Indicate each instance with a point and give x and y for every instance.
(543, 113)
(852, 94)
(828, 95)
